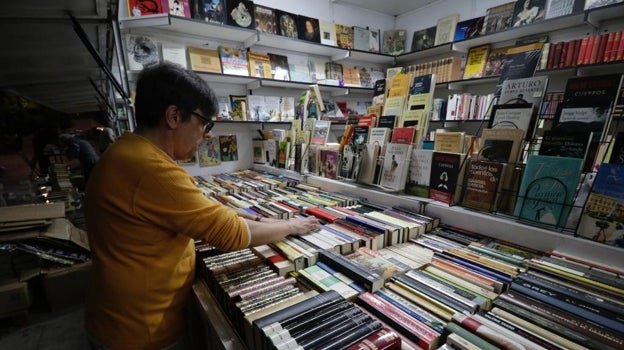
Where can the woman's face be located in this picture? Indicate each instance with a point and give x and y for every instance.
(309, 27)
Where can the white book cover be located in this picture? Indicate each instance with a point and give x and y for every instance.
(272, 108)
(379, 135)
(174, 53)
(257, 107)
(298, 67)
(395, 166)
(287, 108)
(142, 50)
(270, 148)
(328, 33)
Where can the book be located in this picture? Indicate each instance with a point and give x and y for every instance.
(286, 24)
(527, 12)
(573, 144)
(445, 29)
(265, 20)
(240, 107)
(320, 132)
(229, 148)
(361, 38)
(333, 71)
(204, 60)
(600, 220)
(447, 171)
(259, 65)
(395, 166)
(475, 62)
(308, 29)
(423, 39)
(298, 68)
(617, 149)
(520, 62)
(495, 61)
(174, 53)
(136, 8)
(514, 116)
(209, 152)
(344, 36)
(450, 141)
(142, 51)
(233, 60)
(279, 67)
(404, 135)
(374, 40)
(419, 105)
(393, 41)
(557, 8)
(351, 77)
(328, 33)
(482, 184)
(498, 18)
(469, 28)
(212, 11)
(419, 173)
(500, 145)
(524, 90)
(180, 8)
(240, 13)
(547, 189)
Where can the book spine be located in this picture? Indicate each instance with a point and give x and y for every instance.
(433, 293)
(352, 335)
(528, 339)
(474, 339)
(371, 282)
(412, 310)
(489, 334)
(455, 293)
(381, 339)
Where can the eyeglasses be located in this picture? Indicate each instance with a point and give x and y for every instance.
(208, 124)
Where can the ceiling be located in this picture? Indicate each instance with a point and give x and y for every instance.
(45, 60)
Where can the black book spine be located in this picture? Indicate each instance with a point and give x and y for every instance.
(345, 339)
(519, 331)
(340, 328)
(434, 293)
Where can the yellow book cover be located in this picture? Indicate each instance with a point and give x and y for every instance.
(204, 60)
(475, 63)
(452, 141)
(399, 85)
(351, 76)
(259, 65)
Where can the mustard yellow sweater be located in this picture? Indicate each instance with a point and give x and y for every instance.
(143, 212)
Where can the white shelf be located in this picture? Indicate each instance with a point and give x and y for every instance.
(439, 50)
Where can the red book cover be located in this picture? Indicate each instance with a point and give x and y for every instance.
(569, 53)
(403, 135)
(582, 51)
(577, 48)
(564, 53)
(382, 339)
(322, 214)
(368, 120)
(551, 56)
(601, 48)
(137, 8)
(591, 43)
(609, 47)
(620, 52)
(557, 55)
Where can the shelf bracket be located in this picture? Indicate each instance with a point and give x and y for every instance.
(342, 56)
(252, 40)
(340, 92)
(256, 84)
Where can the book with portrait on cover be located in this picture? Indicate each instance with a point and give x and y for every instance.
(447, 172)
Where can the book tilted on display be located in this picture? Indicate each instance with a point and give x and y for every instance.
(547, 189)
(234, 60)
(142, 50)
(557, 8)
(204, 60)
(174, 53)
(395, 166)
(259, 65)
(447, 172)
(500, 145)
(498, 18)
(423, 39)
(520, 62)
(393, 41)
(495, 61)
(279, 67)
(514, 116)
(361, 38)
(240, 13)
(286, 24)
(481, 184)
(475, 62)
(469, 28)
(450, 141)
(524, 90)
(573, 144)
(298, 68)
(419, 105)
(445, 29)
(419, 173)
(209, 152)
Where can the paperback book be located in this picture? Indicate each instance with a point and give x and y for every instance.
(286, 24)
(447, 171)
(395, 166)
(209, 153)
(419, 173)
(469, 28)
(527, 12)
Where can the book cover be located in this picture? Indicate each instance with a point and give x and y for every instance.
(374, 40)
(520, 62)
(393, 42)
(259, 65)
(229, 148)
(257, 108)
(557, 8)
(498, 18)
(320, 132)
(316, 66)
(446, 177)
(565, 144)
(587, 103)
(469, 28)
(333, 71)
(259, 153)
(344, 36)
(212, 11)
(233, 60)
(525, 90)
(495, 61)
(298, 68)
(142, 51)
(603, 216)
(482, 183)
(423, 39)
(514, 116)
(592, 4)
(451, 141)
(365, 77)
(279, 67)
(308, 29)
(369, 163)
(351, 77)
(204, 60)
(500, 145)
(240, 13)
(404, 135)
(617, 150)
(475, 62)
(265, 19)
(419, 105)
(174, 53)
(330, 163)
(445, 29)
(180, 8)
(395, 166)
(137, 8)
(286, 24)
(528, 11)
(547, 189)
(361, 38)
(419, 173)
(239, 107)
(328, 33)
(209, 152)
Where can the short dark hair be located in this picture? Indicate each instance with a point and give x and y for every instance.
(164, 84)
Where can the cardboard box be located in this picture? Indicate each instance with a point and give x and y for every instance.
(14, 298)
(66, 286)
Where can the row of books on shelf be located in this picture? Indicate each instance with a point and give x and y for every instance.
(447, 286)
(602, 48)
(144, 50)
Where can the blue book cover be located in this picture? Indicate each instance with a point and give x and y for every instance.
(603, 216)
(547, 189)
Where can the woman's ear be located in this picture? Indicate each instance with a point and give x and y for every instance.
(172, 117)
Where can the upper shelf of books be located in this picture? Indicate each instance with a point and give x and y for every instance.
(168, 24)
(590, 18)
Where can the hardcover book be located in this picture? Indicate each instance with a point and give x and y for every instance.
(525, 90)
(374, 40)
(498, 18)
(180, 8)
(298, 68)
(142, 51)
(446, 177)
(445, 29)
(209, 152)
(344, 36)
(557, 8)
(469, 28)
(395, 166)
(423, 39)
(361, 38)
(266, 21)
(475, 62)
(286, 24)
(174, 53)
(240, 13)
(259, 65)
(234, 60)
(212, 11)
(419, 105)
(419, 173)
(204, 60)
(528, 11)
(279, 67)
(328, 33)
(602, 219)
(565, 144)
(393, 42)
(482, 183)
(592, 4)
(229, 148)
(547, 189)
(308, 29)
